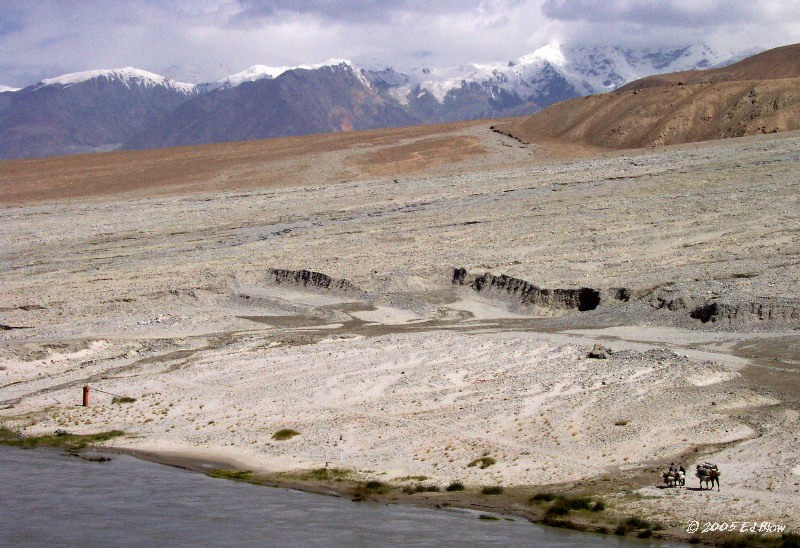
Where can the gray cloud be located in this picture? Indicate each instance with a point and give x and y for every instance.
(659, 13)
(353, 10)
(202, 40)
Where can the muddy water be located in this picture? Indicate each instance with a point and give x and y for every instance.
(50, 499)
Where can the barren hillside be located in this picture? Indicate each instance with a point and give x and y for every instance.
(757, 95)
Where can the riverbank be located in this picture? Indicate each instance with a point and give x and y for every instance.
(574, 506)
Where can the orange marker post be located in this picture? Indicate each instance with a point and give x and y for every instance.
(86, 395)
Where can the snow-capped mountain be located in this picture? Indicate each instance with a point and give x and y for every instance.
(129, 76)
(132, 108)
(85, 111)
(5, 89)
(550, 74)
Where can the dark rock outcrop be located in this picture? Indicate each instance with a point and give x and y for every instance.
(527, 294)
(310, 280)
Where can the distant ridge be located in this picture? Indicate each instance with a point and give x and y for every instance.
(760, 94)
(130, 108)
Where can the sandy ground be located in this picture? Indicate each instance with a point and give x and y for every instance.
(168, 299)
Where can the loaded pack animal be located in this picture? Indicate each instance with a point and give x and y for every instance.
(674, 478)
(709, 474)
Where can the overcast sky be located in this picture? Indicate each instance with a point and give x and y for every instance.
(203, 40)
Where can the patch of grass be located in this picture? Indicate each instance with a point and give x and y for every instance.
(563, 505)
(558, 509)
(634, 523)
(412, 478)
(621, 423)
(324, 474)
(492, 490)
(420, 488)
(246, 476)
(122, 399)
(482, 462)
(285, 434)
(70, 442)
(455, 486)
(363, 491)
(488, 517)
(539, 498)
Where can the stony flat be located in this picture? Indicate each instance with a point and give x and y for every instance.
(198, 300)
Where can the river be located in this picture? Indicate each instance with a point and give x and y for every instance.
(50, 499)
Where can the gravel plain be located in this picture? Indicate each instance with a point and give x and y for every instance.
(690, 253)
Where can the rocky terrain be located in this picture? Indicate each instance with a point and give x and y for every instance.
(410, 306)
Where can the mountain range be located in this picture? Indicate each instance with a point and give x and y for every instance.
(757, 95)
(130, 108)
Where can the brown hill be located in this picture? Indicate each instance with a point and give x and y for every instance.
(775, 64)
(273, 163)
(760, 94)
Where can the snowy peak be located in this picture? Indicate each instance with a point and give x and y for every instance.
(5, 89)
(265, 72)
(586, 69)
(129, 76)
(256, 72)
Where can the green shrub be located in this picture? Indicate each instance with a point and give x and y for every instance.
(420, 488)
(363, 491)
(488, 517)
(578, 503)
(285, 434)
(632, 524)
(122, 399)
(492, 490)
(455, 486)
(558, 509)
(542, 497)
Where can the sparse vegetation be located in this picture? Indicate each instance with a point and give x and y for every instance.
(363, 491)
(323, 474)
(285, 434)
(482, 462)
(636, 523)
(123, 399)
(488, 517)
(542, 497)
(455, 486)
(421, 488)
(246, 476)
(69, 442)
(563, 505)
(492, 490)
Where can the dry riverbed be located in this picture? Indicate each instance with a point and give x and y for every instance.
(437, 327)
